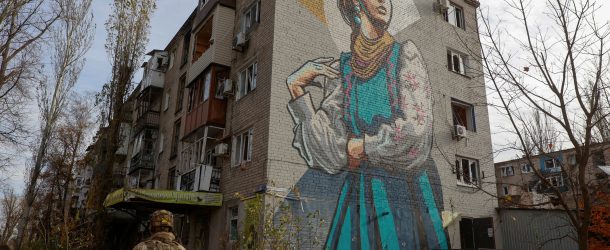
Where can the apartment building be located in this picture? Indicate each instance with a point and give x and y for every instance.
(519, 186)
(371, 115)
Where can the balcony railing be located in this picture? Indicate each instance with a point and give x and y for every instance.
(148, 119)
(201, 178)
(145, 161)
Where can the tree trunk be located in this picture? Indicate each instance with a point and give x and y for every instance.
(30, 194)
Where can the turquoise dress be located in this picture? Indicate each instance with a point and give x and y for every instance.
(383, 208)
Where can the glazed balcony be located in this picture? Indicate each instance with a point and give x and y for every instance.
(211, 38)
(206, 104)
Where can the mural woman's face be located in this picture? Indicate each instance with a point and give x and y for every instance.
(379, 11)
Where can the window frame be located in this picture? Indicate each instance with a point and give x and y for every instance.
(241, 147)
(247, 80)
(505, 171)
(457, 12)
(529, 168)
(559, 178)
(233, 216)
(463, 61)
(250, 17)
(460, 177)
(191, 178)
(471, 124)
(554, 161)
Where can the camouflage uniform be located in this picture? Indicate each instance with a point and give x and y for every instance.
(161, 239)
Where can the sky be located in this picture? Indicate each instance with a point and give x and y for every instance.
(165, 22)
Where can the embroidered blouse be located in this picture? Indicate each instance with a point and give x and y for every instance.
(391, 111)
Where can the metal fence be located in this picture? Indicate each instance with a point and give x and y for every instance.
(536, 229)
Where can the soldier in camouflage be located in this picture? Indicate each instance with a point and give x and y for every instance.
(161, 226)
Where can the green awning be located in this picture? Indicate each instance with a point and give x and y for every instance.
(163, 196)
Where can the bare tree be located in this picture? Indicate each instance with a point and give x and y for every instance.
(10, 212)
(73, 131)
(128, 29)
(71, 39)
(552, 57)
(23, 24)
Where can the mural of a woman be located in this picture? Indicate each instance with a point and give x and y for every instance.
(373, 128)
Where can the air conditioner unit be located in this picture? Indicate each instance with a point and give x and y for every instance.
(459, 132)
(239, 42)
(221, 149)
(227, 87)
(443, 5)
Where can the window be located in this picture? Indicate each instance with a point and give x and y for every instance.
(180, 99)
(250, 17)
(572, 160)
(203, 39)
(187, 181)
(455, 16)
(221, 76)
(207, 81)
(526, 168)
(242, 148)
(233, 219)
(467, 171)
(210, 159)
(508, 171)
(171, 179)
(598, 158)
(550, 163)
(463, 114)
(456, 62)
(175, 138)
(247, 80)
(556, 181)
(186, 42)
(159, 63)
(505, 190)
(166, 101)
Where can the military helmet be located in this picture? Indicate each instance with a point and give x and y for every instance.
(161, 218)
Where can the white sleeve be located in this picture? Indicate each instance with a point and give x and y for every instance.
(407, 141)
(319, 134)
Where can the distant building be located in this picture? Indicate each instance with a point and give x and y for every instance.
(519, 186)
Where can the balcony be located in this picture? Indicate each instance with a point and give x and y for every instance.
(212, 39)
(206, 104)
(149, 119)
(141, 161)
(201, 178)
(154, 69)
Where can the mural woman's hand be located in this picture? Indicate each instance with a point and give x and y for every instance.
(305, 75)
(355, 151)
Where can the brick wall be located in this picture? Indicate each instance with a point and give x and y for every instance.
(300, 35)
